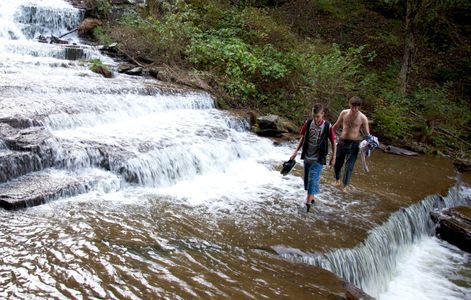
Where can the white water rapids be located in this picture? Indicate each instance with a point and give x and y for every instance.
(171, 197)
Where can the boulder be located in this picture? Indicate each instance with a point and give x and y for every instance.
(454, 226)
(87, 25)
(134, 71)
(124, 67)
(269, 126)
(103, 71)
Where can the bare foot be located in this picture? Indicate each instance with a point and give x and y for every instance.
(338, 183)
(345, 189)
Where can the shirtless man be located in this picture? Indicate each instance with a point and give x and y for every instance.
(352, 121)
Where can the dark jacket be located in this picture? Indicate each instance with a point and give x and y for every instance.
(323, 145)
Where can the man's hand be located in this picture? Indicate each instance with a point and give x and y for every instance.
(331, 162)
(294, 155)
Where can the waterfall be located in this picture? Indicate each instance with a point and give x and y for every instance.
(56, 114)
(372, 264)
(25, 19)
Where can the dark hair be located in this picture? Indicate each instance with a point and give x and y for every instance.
(355, 101)
(317, 108)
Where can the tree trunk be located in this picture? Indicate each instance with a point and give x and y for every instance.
(409, 42)
(415, 11)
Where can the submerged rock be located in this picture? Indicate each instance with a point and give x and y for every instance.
(454, 226)
(399, 151)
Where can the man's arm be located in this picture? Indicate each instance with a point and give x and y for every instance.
(339, 121)
(301, 141)
(334, 146)
(366, 126)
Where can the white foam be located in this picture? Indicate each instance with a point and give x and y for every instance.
(425, 271)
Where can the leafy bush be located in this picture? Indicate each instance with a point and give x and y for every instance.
(444, 120)
(100, 35)
(330, 76)
(391, 116)
(102, 8)
(242, 66)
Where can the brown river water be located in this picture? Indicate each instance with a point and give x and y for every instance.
(151, 248)
(175, 199)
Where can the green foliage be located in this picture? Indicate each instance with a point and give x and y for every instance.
(101, 7)
(242, 67)
(342, 10)
(100, 35)
(104, 7)
(96, 64)
(330, 76)
(391, 116)
(440, 113)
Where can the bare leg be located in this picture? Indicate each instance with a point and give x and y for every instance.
(310, 200)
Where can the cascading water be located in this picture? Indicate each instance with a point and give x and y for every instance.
(133, 128)
(373, 264)
(162, 196)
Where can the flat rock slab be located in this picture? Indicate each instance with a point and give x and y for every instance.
(396, 150)
(454, 226)
(38, 188)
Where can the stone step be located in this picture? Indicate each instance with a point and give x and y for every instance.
(454, 226)
(14, 164)
(40, 187)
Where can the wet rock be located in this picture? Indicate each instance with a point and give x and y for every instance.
(36, 189)
(56, 40)
(42, 39)
(354, 293)
(269, 126)
(88, 25)
(18, 122)
(398, 151)
(14, 164)
(454, 226)
(103, 71)
(134, 71)
(28, 139)
(25, 150)
(462, 165)
(124, 67)
(74, 53)
(154, 72)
